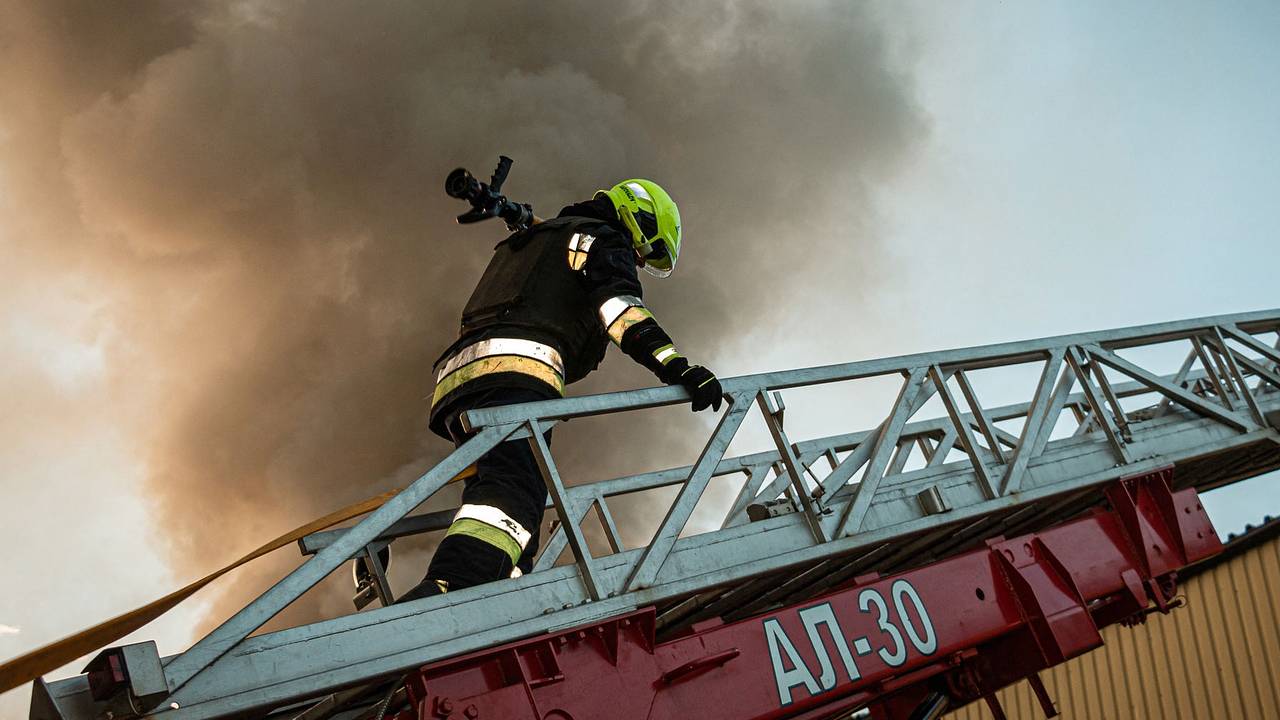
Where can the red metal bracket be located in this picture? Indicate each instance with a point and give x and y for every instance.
(1161, 528)
(965, 627)
(1051, 605)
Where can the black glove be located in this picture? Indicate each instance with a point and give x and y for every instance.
(704, 387)
(701, 383)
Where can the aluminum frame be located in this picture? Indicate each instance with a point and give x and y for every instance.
(842, 521)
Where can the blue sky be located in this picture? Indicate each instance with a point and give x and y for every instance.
(1087, 166)
(1090, 165)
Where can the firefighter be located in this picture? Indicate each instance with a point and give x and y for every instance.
(542, 316)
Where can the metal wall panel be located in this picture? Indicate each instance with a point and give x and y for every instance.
(1217, 658)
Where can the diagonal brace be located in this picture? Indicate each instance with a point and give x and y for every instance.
(965, 430)
(756, 475)
(1058, 401)
(1076, 360)
(885, 443)
(979, 415)
(659, 548)
(1177, 394)
(940, 451)
(794, 468)
(856, 459)
(204, 653)
(1034, 425)
(1234, 360)
(1252, 343)
(1178, 379)
(566, 508)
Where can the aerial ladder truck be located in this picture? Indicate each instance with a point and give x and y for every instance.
(892, 572)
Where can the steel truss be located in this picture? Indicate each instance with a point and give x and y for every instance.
(811, 515)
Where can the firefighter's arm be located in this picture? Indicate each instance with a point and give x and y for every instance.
(648, 344)
(611, 275)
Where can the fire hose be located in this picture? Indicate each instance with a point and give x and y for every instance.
(26, 668)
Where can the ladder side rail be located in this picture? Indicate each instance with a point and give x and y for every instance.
(858, 442)
(1055, 405)
(812, 450)
(1019, 411)
(970, 358)
(615, 487)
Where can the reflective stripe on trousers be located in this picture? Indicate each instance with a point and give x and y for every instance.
(491, 525)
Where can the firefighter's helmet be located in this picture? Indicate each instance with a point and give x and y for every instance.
(653, 219)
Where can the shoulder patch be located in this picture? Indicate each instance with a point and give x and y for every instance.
(579, 245)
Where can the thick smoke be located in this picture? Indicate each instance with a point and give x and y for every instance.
(251, 194)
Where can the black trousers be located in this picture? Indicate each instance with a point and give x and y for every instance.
(507, 477)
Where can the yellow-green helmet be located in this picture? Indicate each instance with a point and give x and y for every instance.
(653, 219)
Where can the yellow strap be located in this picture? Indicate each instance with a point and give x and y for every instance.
(25, 668)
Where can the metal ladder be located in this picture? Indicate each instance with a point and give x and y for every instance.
(810, 516)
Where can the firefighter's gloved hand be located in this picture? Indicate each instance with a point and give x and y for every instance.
(700, 383)
(704, 387)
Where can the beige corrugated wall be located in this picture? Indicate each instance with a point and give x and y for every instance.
(1217, 658)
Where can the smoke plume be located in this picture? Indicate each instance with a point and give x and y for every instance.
(248, 197)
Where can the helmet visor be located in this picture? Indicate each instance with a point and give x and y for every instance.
(657, 252)
(648, 223)
(657, 261)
